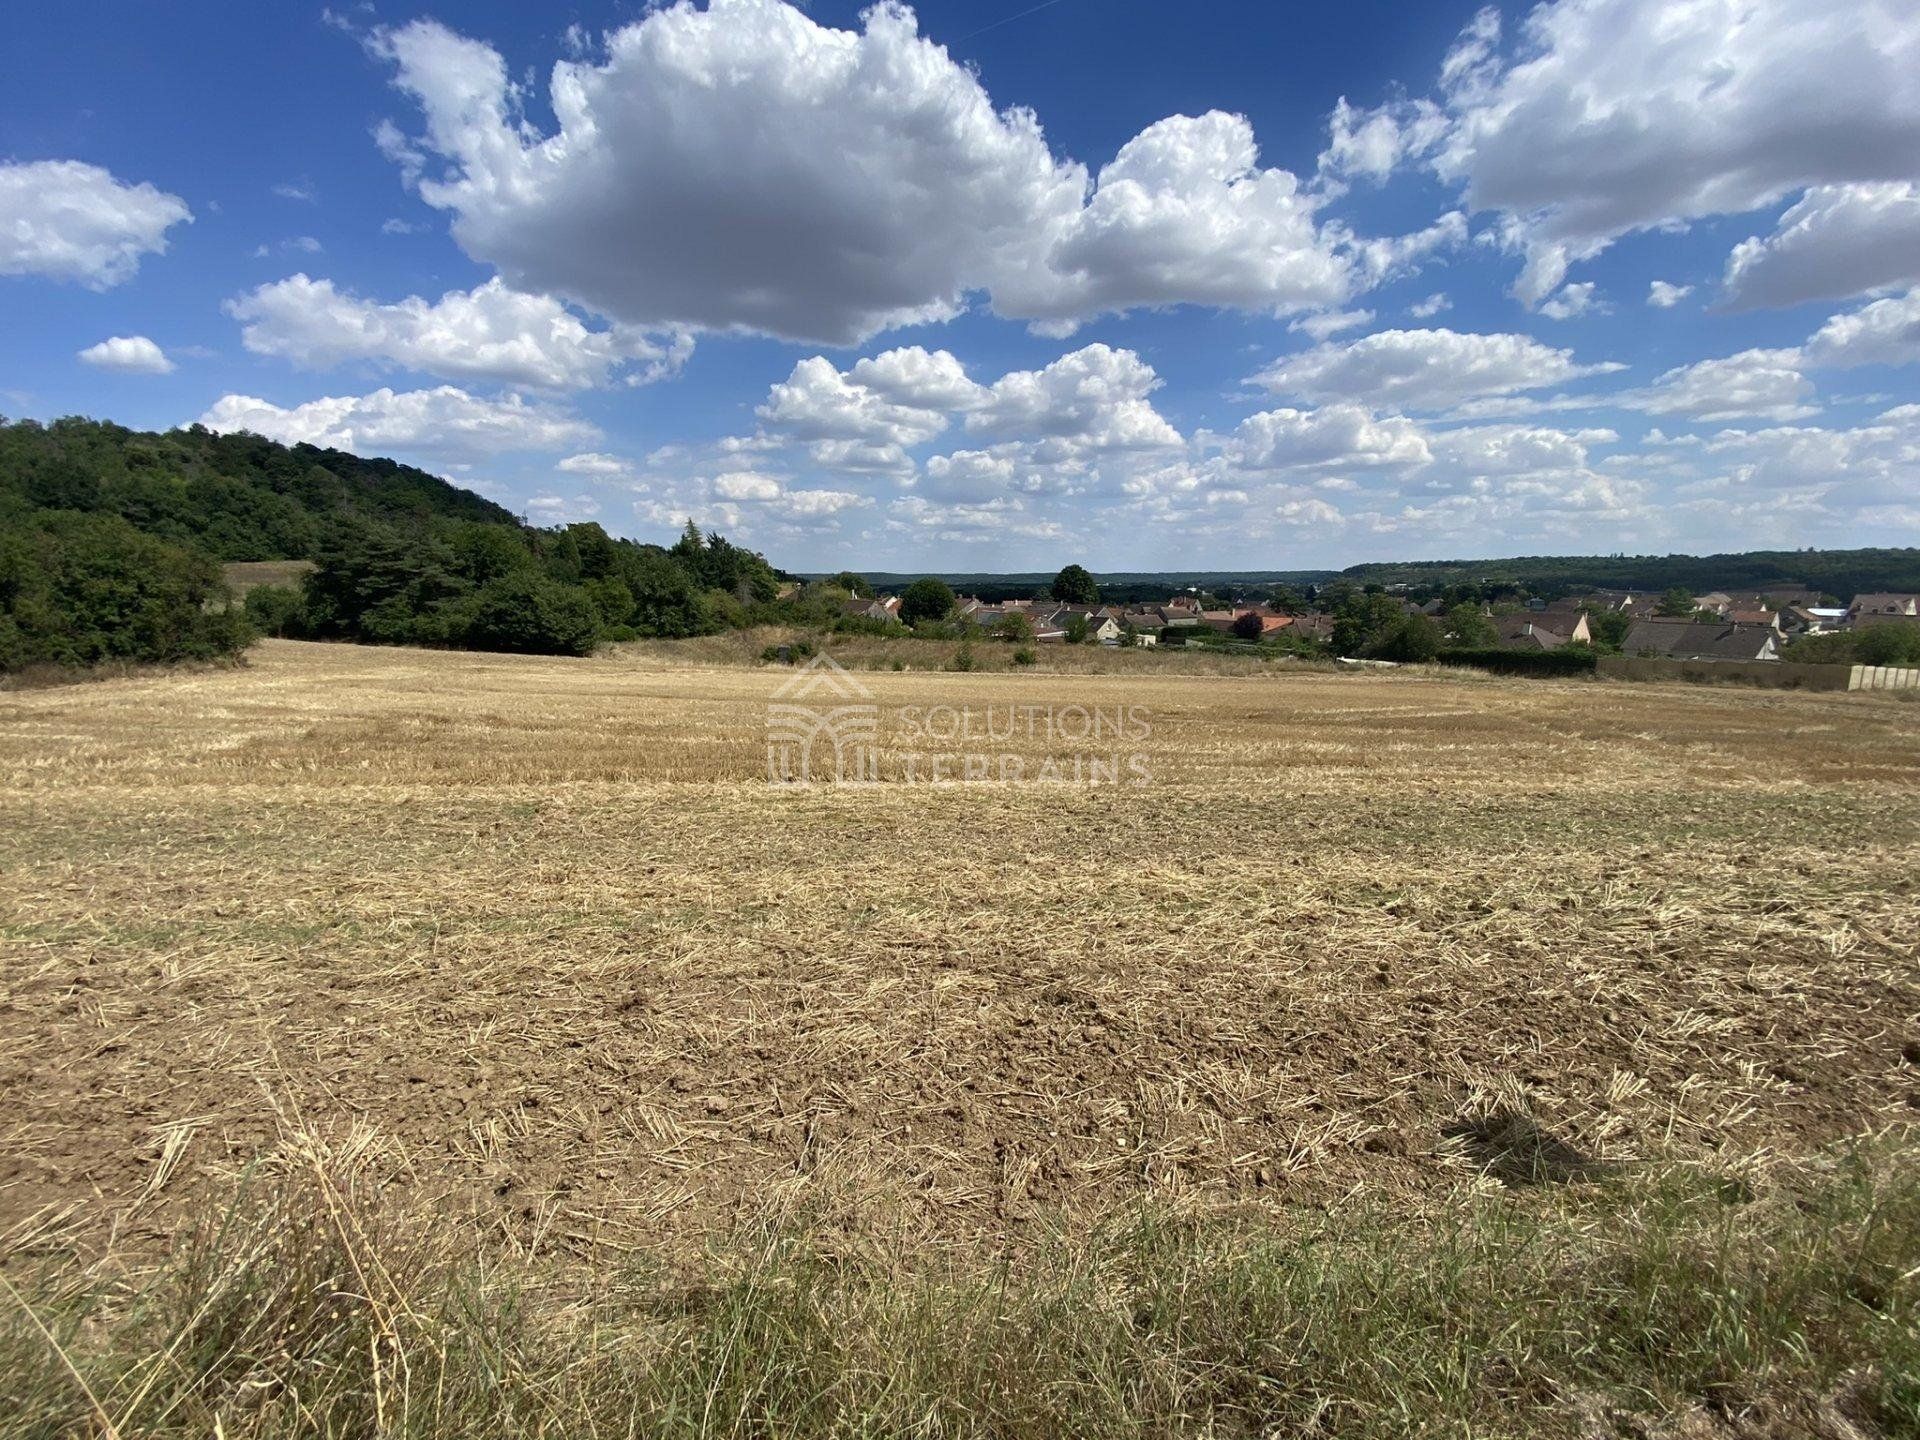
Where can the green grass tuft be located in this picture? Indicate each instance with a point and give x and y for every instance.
(310, 1311)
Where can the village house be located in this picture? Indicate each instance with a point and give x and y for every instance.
(882, 608)
(1867, 606)
(1541, 631)
(1102, 628)
(1776, 597)
(1693, 640)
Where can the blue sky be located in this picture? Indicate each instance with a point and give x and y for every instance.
(963, 287)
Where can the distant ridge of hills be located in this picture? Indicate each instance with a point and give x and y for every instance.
(978, 582)
(1841, 573)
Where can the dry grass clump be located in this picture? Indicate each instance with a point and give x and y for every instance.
(1669, 1304)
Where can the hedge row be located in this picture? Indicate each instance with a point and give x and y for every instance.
(1567, 660)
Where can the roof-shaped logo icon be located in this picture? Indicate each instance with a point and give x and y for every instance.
(822, 674)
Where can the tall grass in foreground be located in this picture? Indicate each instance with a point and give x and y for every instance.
(1549, 1310)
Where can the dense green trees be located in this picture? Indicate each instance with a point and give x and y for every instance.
(1467, 628)
(1890, 643)
(1841, 573)
(1362, 622)
(486, 587)
(233, 497)
(112, 538)
(77, 589)
(1410, 640)
(927, 599)
(855, 585)
(1609, 628)
(1074, 586)
(1675, 604)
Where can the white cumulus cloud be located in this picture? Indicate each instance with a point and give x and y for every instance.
(1884, 332)
(817, 402)
(1836, 242)
(1605, 117)
(1336, 436)
(743, 167)
(1754, 384)
(1570, 302)
(134, 354)
(1423, 369)
(1094, 398)
(487, 333)
(70, 221)
(1330, 323)
(446, 422)
(596, 466)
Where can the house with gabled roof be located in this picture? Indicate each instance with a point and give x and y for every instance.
(876, 609)
(1540, 630)
(1890, 604)
(1693, 640)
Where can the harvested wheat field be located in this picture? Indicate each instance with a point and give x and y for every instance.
(532, 947)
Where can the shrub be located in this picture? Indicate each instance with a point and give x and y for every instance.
(1887, 644)
(524, 612)
(1015, 628)
(1890, 643)
(278, 610)
(1249, 626)
(79, 589)
(1412, 639)
(1834, 649)
(1567, 660)
(1024, 655)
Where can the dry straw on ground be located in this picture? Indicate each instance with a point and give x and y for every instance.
(537, 947)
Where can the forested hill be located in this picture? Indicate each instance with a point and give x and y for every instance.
(234, 497)
(1841, 573)
(110, 541)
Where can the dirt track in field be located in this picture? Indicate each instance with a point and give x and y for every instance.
(537, 941)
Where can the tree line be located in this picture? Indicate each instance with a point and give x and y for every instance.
(111, 542)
